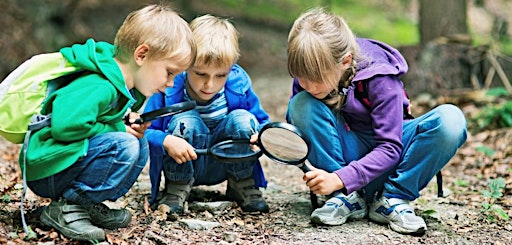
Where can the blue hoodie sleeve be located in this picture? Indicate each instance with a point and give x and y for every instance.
(256, 109)
(156, 132)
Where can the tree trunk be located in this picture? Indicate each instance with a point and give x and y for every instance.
(441, 18)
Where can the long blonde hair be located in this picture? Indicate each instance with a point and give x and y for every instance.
(317, 44)
(161, 28)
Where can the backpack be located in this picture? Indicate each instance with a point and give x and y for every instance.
(24, 90)
(361, 93)
(22, 94)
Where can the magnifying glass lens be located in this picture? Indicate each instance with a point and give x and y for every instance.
(234, 149)
(284, 145)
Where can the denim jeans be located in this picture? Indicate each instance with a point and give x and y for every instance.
(429, 142)
(112, 165)
(206, 170)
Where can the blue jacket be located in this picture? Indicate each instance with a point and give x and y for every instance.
(239, 95)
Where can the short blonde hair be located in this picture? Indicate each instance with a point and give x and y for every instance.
(162, 29)
(217, 41)
(317, 44)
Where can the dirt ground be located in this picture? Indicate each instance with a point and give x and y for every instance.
(454, 219)
(458, 218)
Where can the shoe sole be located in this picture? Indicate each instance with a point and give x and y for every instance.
(339, 221)
(378, 218)
(399, 229)
(97, 235)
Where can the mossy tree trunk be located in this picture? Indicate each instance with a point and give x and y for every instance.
(441, 18)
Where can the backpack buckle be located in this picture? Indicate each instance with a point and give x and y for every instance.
(39, 121)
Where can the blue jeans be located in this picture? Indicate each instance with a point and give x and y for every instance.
(206, 170)
(112, 165)
(429, 142)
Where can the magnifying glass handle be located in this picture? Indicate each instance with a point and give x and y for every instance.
(127, 120)
(312, 196)
(201, 151)
(304, 168)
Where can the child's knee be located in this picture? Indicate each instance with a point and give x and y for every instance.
(242, 120)
(453, 123)
(187, 124)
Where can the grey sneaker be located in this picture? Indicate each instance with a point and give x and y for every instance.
(339, 208)
(246, 195)
(104, 217)
(175, 195)
(72, 221)
(398, 214)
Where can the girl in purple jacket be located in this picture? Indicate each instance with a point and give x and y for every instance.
(370, 161)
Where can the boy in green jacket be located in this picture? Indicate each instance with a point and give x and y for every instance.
(90, 154)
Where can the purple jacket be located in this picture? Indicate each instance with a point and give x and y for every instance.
(382, 66)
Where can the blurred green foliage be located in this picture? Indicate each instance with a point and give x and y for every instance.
(495, 115)
(388, 21)
(371, 19)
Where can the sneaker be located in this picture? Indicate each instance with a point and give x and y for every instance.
(246, 195)
(72, 220)
(175, 195)
(398, 214)
(104, 217)
(339, 208)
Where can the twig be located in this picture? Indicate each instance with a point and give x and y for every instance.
(488, 78)
(500, 71)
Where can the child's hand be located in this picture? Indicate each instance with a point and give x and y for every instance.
(253, 140)
(179, 149)
(135, 129)
(321, 182)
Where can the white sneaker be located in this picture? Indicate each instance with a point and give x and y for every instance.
(339, 208)
(398, 214)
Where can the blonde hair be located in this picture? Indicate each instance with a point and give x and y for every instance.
(217, 41)
(161, 28)
(317, 44)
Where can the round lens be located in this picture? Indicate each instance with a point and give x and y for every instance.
(284, 145)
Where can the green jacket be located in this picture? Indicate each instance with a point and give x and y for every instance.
(91, 105)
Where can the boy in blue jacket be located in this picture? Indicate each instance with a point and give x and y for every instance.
(227, 108)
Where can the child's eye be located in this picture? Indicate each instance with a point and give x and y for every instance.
(170, 73)
(221, 75)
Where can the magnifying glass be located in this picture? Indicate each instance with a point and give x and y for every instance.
(281, 142)
(165, 111)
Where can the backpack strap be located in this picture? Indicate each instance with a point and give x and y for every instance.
(361, 93)
(36, 122)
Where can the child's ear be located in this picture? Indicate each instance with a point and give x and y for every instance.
(347, 61)
(140, 53)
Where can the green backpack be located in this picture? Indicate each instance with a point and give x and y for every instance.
(24, 90)
(22, 95)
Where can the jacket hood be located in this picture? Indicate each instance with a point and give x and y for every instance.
(97, 57)
(378, 58)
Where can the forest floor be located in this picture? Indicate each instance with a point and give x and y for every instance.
(457, 218)
(460, 217)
